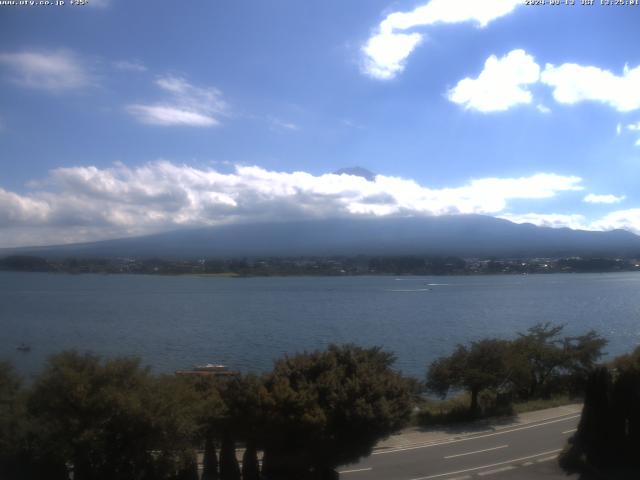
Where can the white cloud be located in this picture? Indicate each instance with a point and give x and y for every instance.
(502, 84)
(388, 48)
(573, 83)
(505, 82)
(620, 219)
(634, 127)
(552, 220)
(188, 105)
(593, 198)
(167, 115)
(53, 71)
(386, 53)
(617, 220)
(281, 125)
(129, 66)
(450, 11)
(17, 209)
(618, 129)
(88, 203)
(351, 124)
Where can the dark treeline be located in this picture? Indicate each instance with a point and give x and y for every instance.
(340, 265)
(538, 363)
(104, 419)
(607, 443)
(541, 363)
(113, 419)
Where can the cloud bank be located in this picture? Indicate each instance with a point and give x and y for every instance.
(89, 203)
(551, 220)
(628, 219)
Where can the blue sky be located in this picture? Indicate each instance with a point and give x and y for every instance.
(125, 118)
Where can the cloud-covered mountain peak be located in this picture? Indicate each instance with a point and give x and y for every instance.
(358, 172)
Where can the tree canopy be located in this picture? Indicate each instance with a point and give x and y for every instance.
(608, 435)
(545, 356)
(331, 407)
(536, 363)
(102, 419)
(481, 365)
(111, 418)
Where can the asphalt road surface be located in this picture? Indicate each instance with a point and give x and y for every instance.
(521, 452)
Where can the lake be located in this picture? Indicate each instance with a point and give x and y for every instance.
(175, 322)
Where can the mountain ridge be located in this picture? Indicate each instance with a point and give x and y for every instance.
(460, 235)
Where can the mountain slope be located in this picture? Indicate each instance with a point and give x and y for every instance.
(462, 235)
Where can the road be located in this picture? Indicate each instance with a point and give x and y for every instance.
(520, 452)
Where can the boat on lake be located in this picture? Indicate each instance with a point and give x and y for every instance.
(208, 370)
(210, 367)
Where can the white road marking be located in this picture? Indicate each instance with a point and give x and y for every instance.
(487, 466)
(466, 477)
(547, 459)
(477, 451)
(356, 470)
(466, 439)
(526, 464)
(497, 470)
(570, 431)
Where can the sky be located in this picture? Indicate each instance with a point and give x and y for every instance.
(122, 118)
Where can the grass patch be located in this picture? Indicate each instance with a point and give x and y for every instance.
(451, 410)
(541, 404)
(456, 409)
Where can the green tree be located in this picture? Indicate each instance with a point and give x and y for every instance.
(212, 420)
(608, 435)
(479, 366)
(188, 467)
(582, 355)
(172, 407)
(246, 399)
(328, 408)
(13, 424)
(250, 466)
(24, 455)
(629, 362)
(229, 468)
(210, 460)
(112, 419)
(540, 347)
(546, 357)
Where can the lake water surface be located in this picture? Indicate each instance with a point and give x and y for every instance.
(174, 322)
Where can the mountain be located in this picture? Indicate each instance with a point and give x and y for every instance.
(461, 235)
(358, 172)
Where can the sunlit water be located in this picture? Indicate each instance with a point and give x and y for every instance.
(174, 322)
